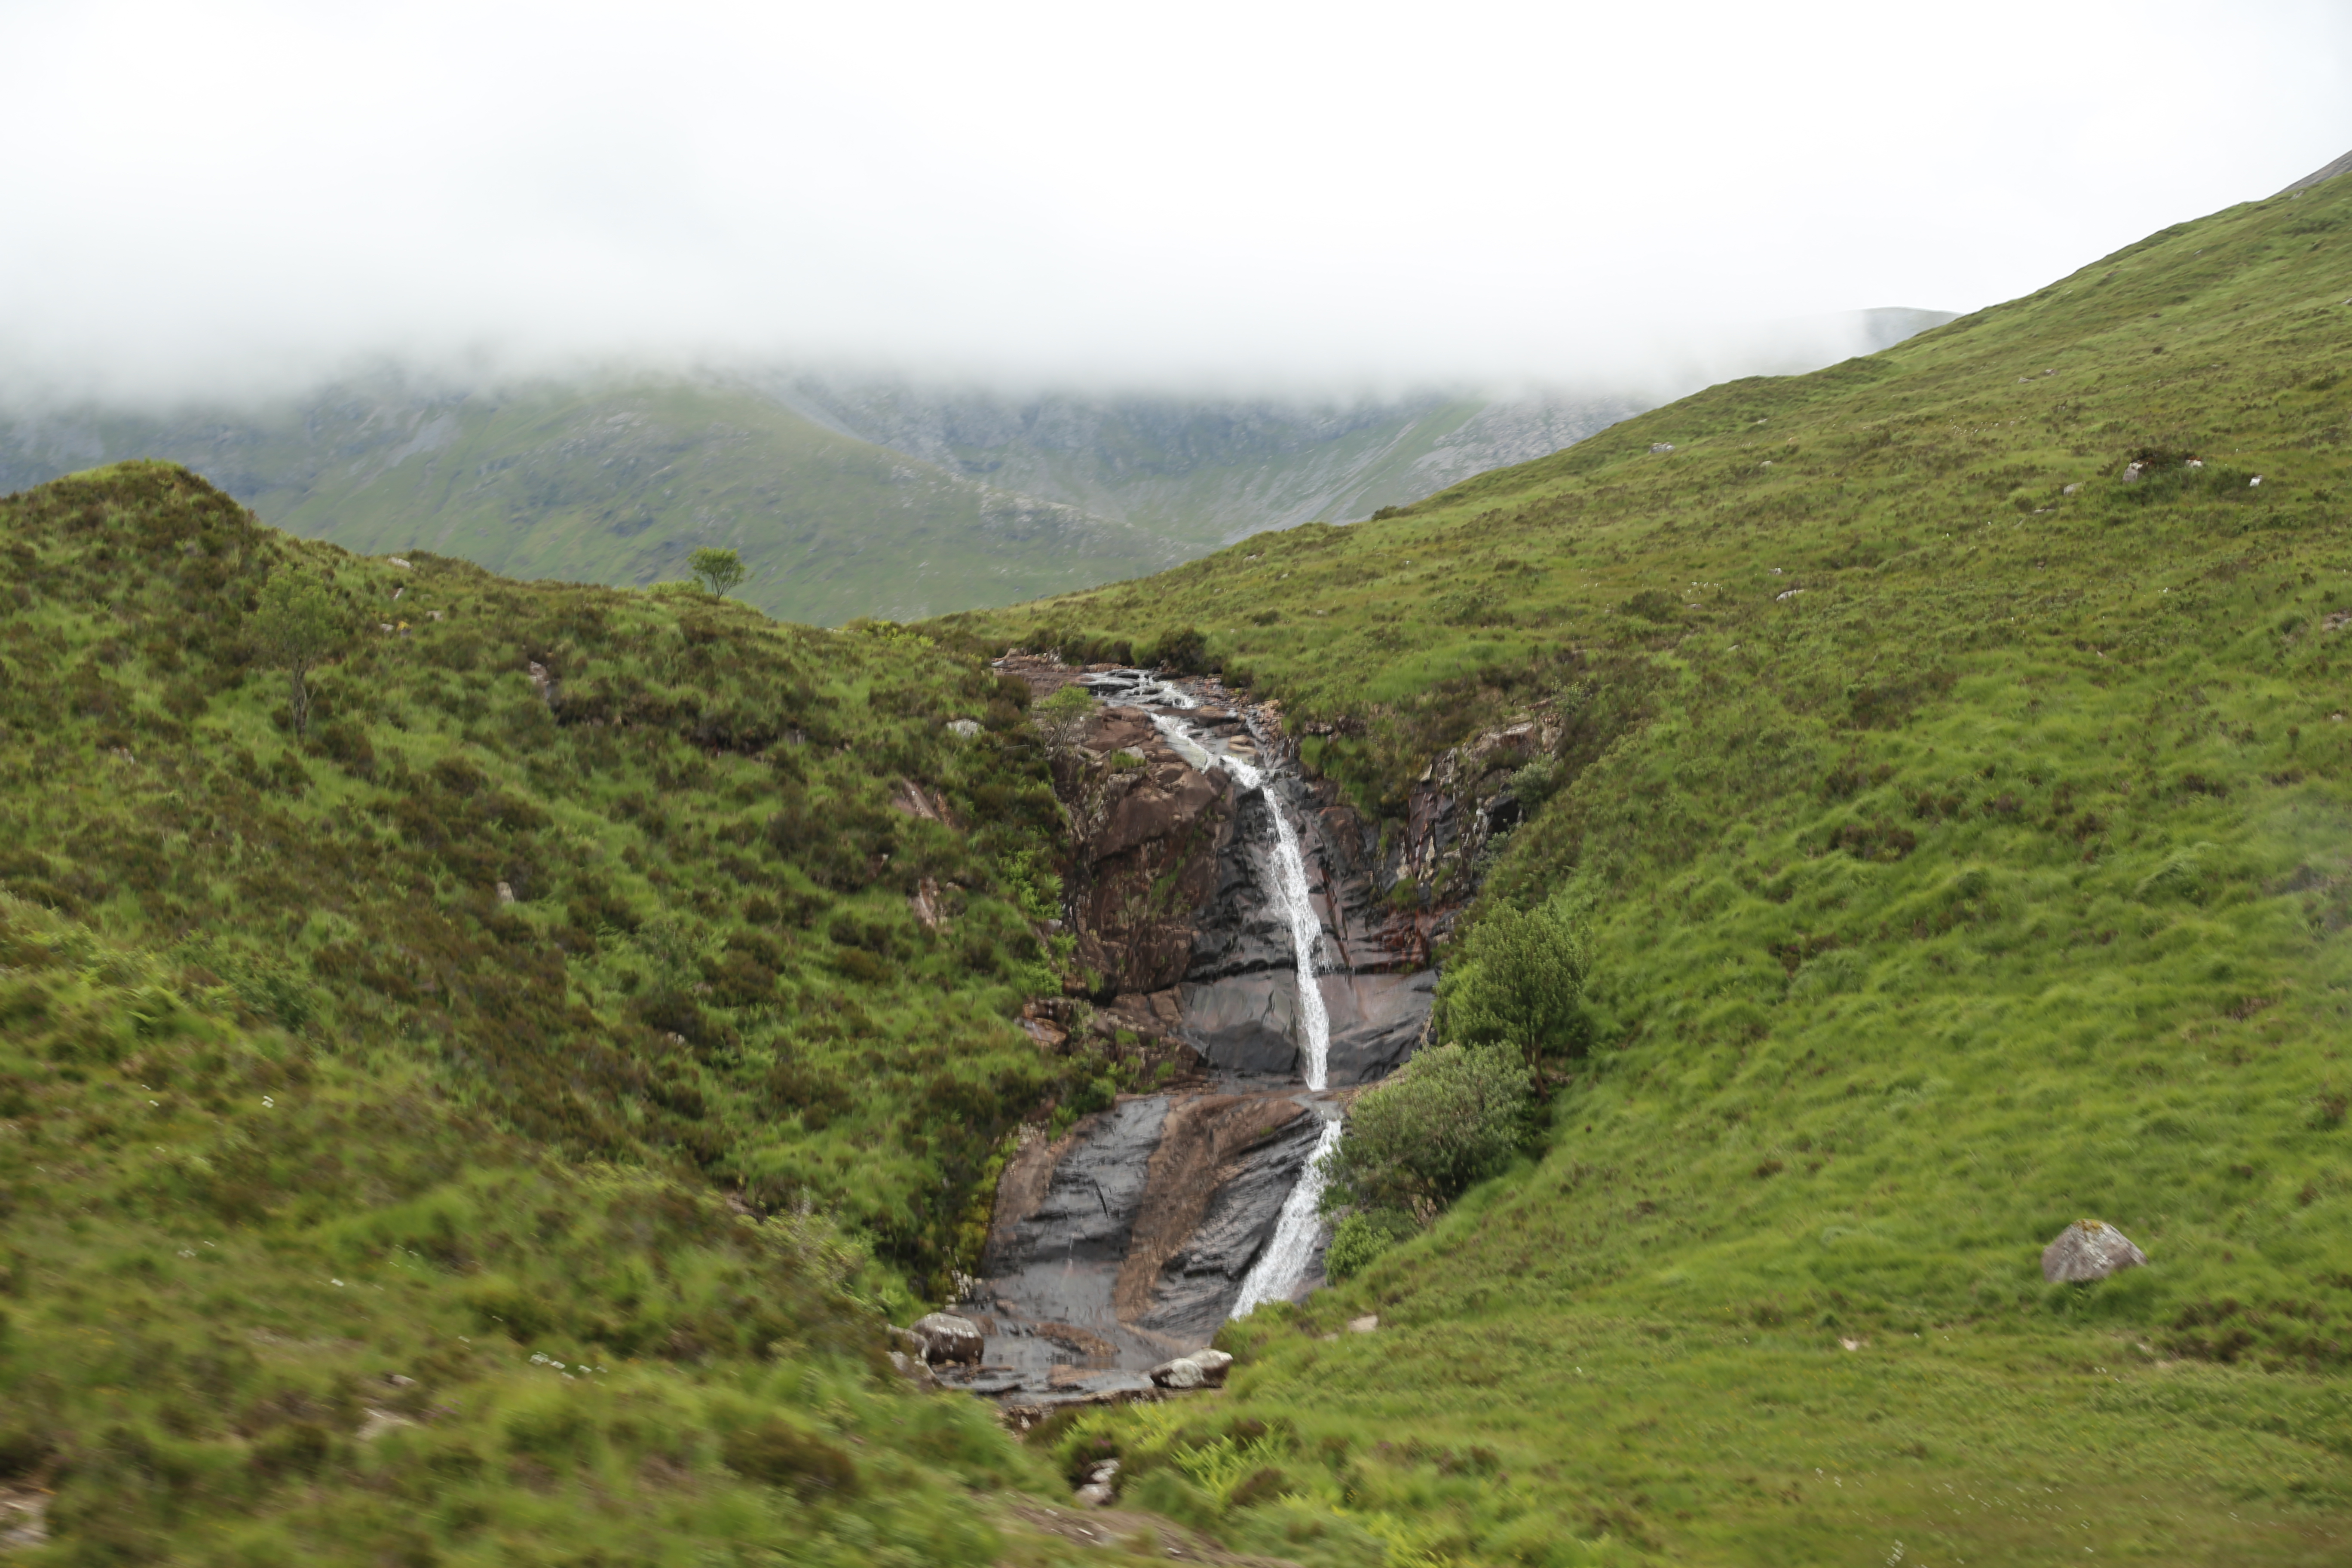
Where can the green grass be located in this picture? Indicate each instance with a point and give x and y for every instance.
(710, 955)
(261, 1303)
(1995, 879)
(293, 1099)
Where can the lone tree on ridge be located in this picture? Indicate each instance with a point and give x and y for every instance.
(300, 626)
(718, 570)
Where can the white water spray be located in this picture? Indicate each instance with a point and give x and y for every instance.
(1278, 1269)
(1276, 1272)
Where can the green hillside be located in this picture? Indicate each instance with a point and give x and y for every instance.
(1202, 472)
(493, 1126)
(1960, 817)
(618, 484)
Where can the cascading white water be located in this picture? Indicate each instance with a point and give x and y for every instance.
(1306, 929)
(1278, 1269)
(1276, 1272)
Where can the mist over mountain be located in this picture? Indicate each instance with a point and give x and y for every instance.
(846, 494)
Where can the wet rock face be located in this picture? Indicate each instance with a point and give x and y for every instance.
(1089, 1209)
(1127, 1241)
(1240, 997)
(1244, 1026)
(1377, 1021)
(1123, 1246)
(1198, 1283)
(1145, 857)
(1241, 930)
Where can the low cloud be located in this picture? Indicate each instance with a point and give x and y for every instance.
(228, 201)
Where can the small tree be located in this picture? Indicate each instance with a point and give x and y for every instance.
(1519, 981)
(300, 626)
(1453, 1115)
(718, 570)
(1061, 716)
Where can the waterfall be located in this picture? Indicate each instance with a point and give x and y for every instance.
(1278, 1269)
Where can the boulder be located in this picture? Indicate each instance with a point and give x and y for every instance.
(1102, 1486)
(945, 1337)
(2088, 1249)
(1181, 1373)
(963, 728)
(1201, 1369)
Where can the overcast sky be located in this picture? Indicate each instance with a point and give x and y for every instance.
(222, 195)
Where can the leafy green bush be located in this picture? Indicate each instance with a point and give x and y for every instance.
(1538, 782)
(1182, 651)
(1061, 716)
(1519, 981)
(1454, 1115)
(1359, 1237)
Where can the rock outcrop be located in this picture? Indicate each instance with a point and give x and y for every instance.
(1146, 827)
(945, 1338)
(1117, 1245)
(1201, 1369)
(2088, 1249)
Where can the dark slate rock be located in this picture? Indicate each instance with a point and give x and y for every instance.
(1197, 1285)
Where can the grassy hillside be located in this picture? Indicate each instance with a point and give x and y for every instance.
(609, 980)
(618, 484)
(1965, 841)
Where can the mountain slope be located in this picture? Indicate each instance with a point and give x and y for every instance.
(619, 484)
(1955, 780)
(1207, 471)
(493, 1126)
(1204, 471)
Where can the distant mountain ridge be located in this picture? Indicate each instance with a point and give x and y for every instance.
(848, 496)
(1206, 471)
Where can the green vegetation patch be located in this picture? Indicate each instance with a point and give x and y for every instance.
(1956, 769)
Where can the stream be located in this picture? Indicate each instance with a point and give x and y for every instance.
(1132, 1237)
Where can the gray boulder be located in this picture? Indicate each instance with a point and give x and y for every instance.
(1201, 1369)
(1102, 1486)
(2088, 1249)
(945, 1337)
(1181, 1373)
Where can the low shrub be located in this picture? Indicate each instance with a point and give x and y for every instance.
(1453, 1115)
(1360, 1237)
(783, 1455)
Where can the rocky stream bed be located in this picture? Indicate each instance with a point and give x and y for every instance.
(1129, 1239)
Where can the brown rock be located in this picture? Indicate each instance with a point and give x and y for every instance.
(1146, 851)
